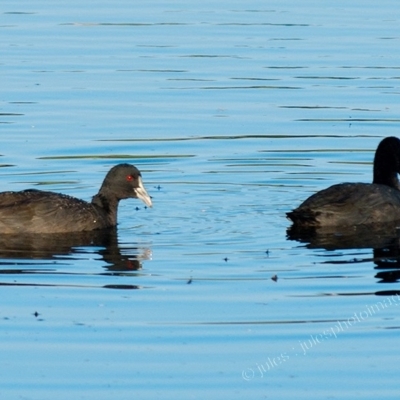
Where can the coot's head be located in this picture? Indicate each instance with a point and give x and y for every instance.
(125, 181)
(387, 162)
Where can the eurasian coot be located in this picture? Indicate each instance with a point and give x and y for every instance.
(350, 204)
(36, 211)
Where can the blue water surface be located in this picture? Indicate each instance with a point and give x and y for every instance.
(234, 112)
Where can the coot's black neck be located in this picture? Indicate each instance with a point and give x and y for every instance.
(388, 180)
(109, 205)
(387, 162)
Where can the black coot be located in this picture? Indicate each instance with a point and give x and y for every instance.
(351, 204)
(36, 211)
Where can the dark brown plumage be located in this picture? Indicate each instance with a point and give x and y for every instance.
(36, 211)
(351, 204)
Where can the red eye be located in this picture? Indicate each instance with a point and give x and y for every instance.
(129, 178)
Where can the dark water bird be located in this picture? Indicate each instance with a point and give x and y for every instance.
(36, 211)
(354, 204)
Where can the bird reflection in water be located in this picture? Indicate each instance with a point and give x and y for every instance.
(101, 244)
(384, 240)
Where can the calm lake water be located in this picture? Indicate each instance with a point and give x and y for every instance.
(234, 112)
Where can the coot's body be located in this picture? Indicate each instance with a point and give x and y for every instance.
(36, 211)
(350, 204)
